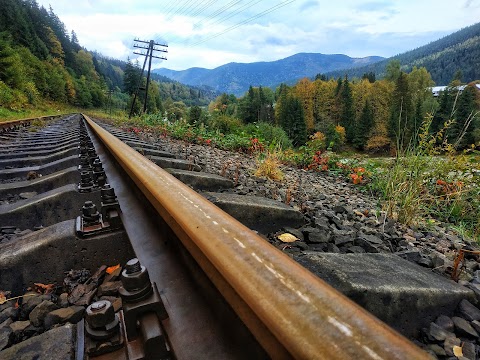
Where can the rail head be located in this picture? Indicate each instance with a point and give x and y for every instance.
(13, 124)
(291, 312)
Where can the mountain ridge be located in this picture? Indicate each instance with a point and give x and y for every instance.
(236, 77)
(459, 50)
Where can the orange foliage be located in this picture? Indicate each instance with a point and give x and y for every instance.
(44, 289)
(111, 269)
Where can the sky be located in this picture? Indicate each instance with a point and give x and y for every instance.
(210, 33)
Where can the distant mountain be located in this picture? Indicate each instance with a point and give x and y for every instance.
(442, 58)
(235, 78)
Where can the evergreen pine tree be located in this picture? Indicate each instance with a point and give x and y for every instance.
(465, 109)
(292, 119)
(347, 116)
(131, 78)
(364, 127)
(401, 121)
(444, 111)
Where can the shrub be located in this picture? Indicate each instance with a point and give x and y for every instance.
(268, 134)
(335, 137)
(379, 144)
(269, 166)
(317, 142)
(233, 142)
(224, 123)
(11, 99)
(431, 180)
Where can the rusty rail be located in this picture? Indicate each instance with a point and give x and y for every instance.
(12, 124)
(291, 312)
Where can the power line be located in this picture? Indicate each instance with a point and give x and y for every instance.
(218, 16)
(265, 12)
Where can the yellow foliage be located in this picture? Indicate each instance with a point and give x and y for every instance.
(305, 90)
(270, 167)
(318, 136)
(377, 143)
(340, 130)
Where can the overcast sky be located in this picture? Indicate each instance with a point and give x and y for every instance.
(195, 29)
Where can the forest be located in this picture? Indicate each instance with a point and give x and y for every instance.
(41, 62)
(366, 114)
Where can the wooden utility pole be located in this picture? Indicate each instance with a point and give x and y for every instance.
(150, 47)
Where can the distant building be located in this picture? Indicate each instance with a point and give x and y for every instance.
(436, 90)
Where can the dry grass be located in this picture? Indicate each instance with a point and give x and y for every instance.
(269, 167)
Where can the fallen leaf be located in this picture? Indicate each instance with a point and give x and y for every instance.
(287, 238)
(111, 269)
(457, 351)
(3, 298)
(44, 289)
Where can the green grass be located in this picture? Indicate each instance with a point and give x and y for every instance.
(430, 181)
(44, 110)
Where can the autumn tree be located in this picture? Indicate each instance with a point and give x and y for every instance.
(419, 86)
(305, 91)
(325, 106)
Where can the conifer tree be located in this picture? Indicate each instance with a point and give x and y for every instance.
(347, 116)
(131, 77)
(292, 119)
(364, 127)
(461, 131)
(400, 126)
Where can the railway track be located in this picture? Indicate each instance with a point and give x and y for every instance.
(196, 283)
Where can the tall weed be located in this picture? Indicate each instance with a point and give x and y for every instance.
(428, 179)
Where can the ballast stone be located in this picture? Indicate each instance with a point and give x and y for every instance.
(404, 295)
(258, 213)
(201, 180)
(164, 162)
(58, 343)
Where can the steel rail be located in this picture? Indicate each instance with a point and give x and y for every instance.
(14, 123)
(291, 312)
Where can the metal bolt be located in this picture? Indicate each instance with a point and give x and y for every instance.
(100, 314)
(133, 266)
(90, 213)
(97, 165)
(98, 306)
(108, 194)
(85, 177)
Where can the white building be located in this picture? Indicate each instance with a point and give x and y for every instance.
(436, 90)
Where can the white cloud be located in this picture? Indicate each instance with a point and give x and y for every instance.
(356, 28)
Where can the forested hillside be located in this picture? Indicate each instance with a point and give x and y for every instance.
(458, 53)
(40, 61)
(368, 114)
(235, 78)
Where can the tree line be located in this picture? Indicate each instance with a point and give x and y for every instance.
(371, 114)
